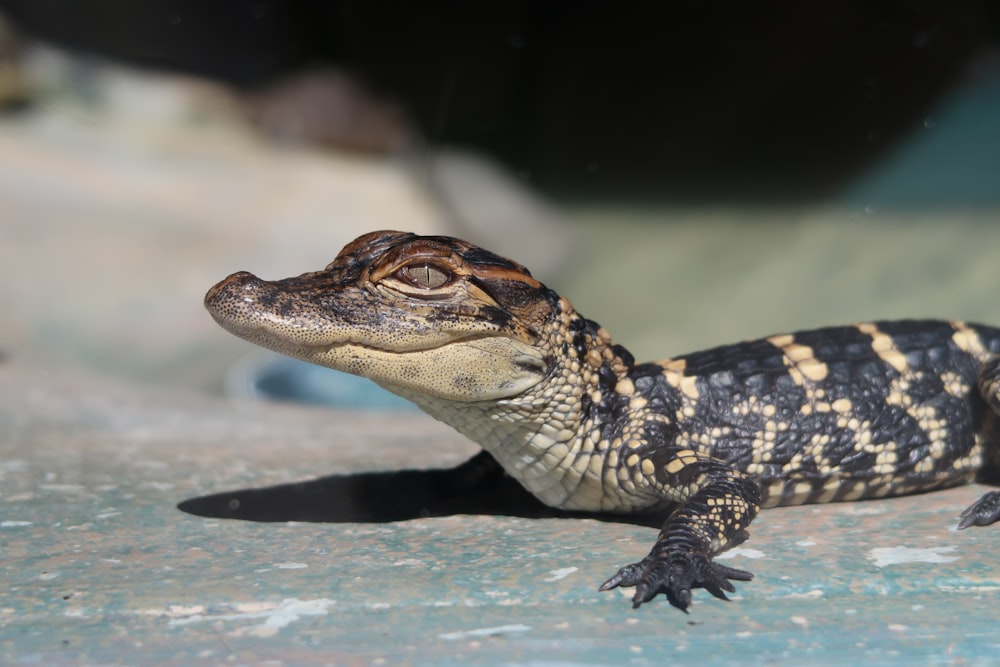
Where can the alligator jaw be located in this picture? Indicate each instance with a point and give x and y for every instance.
(467, 367)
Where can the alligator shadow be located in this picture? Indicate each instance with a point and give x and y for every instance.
(381, 497)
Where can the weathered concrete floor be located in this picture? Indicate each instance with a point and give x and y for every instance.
(101, 567)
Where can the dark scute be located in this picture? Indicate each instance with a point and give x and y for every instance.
(479, 256)
(627, 359)
(364, 250)
(921, 332)
(513, 293)
(608, 378)
(723, 380)
(508, 293)
(744, 359)
(645, 371)
(836, 342)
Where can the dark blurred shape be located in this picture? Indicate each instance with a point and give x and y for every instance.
(687, 100)
(241, 42)
(14, 93)
(328, 108)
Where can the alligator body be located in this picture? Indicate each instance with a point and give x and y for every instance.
(834, 414)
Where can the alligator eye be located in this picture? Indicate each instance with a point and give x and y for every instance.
(424, 276)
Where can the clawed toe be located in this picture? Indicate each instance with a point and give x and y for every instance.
(675, 575)
(625, 577)
(983, 512)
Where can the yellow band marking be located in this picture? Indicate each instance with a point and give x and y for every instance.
(884, 347)
(687, 384)
(968, 340)
(814, 369)
(674, 365)
(797, 352)
(684, 458)
(842, 405)
(800, 359)
(625, 387)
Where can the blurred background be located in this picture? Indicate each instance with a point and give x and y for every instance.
(689, 175)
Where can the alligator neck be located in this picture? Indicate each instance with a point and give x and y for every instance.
(561, 437)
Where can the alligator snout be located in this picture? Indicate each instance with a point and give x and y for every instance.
(225, 288)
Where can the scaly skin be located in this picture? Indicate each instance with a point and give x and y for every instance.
(842, 413)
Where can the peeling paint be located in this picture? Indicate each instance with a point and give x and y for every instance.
(484, 632)
(814, 593)
(561, 573)
(884, 556)
(275, 617)
(741, 551)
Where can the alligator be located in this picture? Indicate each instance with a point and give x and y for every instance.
(833, 414)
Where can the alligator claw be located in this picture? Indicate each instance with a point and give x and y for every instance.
(983, 512)
(675, 575)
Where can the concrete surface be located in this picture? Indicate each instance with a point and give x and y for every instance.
(102, 568)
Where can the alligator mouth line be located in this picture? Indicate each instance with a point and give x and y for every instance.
(530, 363)
(281, 340)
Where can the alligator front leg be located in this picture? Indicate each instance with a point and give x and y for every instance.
(986, 510)
(711, 520)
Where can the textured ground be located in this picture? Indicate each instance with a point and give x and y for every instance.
(101, 567)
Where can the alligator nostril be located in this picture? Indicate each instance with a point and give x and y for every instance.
(236, 281)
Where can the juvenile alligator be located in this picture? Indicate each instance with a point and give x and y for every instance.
(834, 414)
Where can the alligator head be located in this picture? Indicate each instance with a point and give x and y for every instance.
(426, 315)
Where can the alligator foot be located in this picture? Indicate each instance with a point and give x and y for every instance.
(983, 512)
(674, 575)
